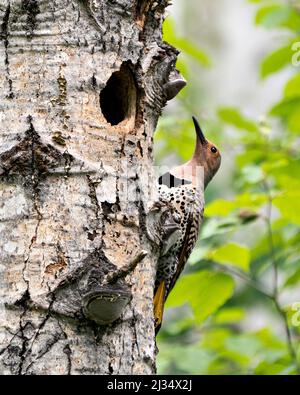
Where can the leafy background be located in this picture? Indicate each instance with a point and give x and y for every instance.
(236, 309)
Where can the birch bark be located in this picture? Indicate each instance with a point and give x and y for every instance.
(81, 92)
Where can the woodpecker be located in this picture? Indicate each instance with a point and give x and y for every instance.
(183, 188)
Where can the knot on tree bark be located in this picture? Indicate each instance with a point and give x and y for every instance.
(32, 157)
(97, 290)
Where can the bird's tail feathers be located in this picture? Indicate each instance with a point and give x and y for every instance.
(159, 302)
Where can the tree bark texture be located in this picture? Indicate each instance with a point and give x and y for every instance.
(81, 92)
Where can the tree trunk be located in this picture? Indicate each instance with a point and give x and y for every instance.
(81, 92)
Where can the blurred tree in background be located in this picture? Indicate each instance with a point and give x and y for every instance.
(236, 309)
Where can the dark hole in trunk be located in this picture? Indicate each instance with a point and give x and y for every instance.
(118, 98)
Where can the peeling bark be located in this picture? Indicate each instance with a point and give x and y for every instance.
(82, 89)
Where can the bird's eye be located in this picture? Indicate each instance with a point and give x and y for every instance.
(214, 150)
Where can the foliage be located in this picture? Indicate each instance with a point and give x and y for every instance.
(251, 241)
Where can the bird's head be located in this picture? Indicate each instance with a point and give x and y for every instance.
(205, 162)
(206, 155)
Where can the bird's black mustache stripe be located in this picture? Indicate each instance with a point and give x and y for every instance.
(171, 181)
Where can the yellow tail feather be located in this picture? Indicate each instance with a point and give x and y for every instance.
(159, 301)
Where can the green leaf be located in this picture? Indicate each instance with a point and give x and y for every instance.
(260, 253)
(215, 337)
(293, 280)
(289, 205)
(244, 345)
(229, 315)
(185, 45)
(250, 200)
(193, 51)
(233, 117)
(182, 66)
(285, 107)
(169, 30)
(270, 341)
(274, 368)
(294, 121)
(276, 15)
(188, 359)
(276, 61)
(272, 15)
(215, 227)
(232, 254)
(292, 88)
(251, 156)
(219, 207)
(171, 130)
(206, 292)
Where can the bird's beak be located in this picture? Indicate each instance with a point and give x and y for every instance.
(199, 132)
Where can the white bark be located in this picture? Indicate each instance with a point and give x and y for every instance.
(74, 188)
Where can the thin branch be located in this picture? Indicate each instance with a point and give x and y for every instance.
(288, 334)
(259, 287)
(280, 310)
(268, 219)
(111, 278)
(250, 281)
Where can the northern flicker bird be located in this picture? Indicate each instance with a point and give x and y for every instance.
(183, 188)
